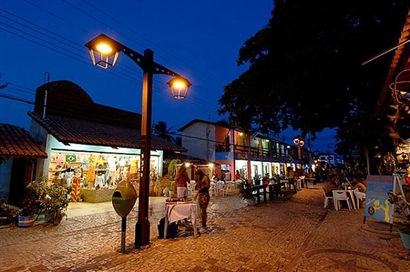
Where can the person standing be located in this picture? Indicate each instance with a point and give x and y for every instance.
(291, 178)
(203, 184)
(182, 180)
(237, 175)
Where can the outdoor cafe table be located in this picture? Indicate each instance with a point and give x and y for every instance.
(175, 211)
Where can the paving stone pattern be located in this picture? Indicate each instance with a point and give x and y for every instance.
(280, 235)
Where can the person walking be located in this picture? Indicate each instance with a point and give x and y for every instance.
(291, 178)
(182, 180)
(203, 184)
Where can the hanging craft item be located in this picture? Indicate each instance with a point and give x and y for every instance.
(91, 174)
(75, 190)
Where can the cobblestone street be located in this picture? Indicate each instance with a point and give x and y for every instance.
(293, 235)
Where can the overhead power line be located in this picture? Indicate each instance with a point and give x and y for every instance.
(36, 34)
(16, 99)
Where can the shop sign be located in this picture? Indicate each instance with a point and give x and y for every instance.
(378, 206)
(70, 158)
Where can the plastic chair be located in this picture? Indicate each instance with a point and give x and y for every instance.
(359, 196)
(340, 195)
(327, 198)
(229, 187)
(220, 187)
(212, 189)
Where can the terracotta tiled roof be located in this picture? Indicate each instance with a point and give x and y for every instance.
(73, 130)
(17, 142)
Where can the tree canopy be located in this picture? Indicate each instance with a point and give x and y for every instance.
(305, 67)
(161, 130)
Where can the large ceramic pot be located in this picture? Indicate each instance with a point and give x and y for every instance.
(26, 220)
(405, 238)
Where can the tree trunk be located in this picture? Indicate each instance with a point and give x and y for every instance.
(366, 154)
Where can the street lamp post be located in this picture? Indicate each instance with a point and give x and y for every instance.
(298, 141)
(104, 52)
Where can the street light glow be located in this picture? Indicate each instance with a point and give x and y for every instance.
(103, 51)
(104, 48)
(179, 87)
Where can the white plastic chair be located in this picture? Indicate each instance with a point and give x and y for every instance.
(359, 196)
(220, 187)
(229, 187)
(327, 198)
(340, 195)
(212, 189)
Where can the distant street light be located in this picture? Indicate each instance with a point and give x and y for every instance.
(299, 143)
(104, 53)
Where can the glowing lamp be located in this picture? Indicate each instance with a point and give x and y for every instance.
(298, 141)
(103, 51)
(179, 87)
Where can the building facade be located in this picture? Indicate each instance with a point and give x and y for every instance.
(251, 155)
(90, 146)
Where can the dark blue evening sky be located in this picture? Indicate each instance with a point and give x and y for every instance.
(198, 39)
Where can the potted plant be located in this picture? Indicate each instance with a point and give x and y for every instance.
(33, 203)
(41, 198)
(245, 191)
(56, 203)
(166, 185)
(402, 214)
(7, 212)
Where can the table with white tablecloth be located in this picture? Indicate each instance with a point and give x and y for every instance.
(175, 211)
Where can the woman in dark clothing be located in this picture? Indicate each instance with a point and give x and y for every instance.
(203, 184)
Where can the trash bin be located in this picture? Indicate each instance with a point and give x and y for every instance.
(123, 198)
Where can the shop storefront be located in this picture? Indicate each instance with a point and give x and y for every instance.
(95, 166)
(266, 169)
(256, 169)
(93, 172)
(242, 167)
(91, 147)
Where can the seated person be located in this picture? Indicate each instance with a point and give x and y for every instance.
(330, 184)
(359, 183)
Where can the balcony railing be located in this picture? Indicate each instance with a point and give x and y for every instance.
(253, 152)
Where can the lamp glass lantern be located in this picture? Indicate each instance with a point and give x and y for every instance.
(179, 87)
(298, 141)
(103, 52)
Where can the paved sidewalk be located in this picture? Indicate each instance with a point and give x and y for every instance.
(293, 235)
